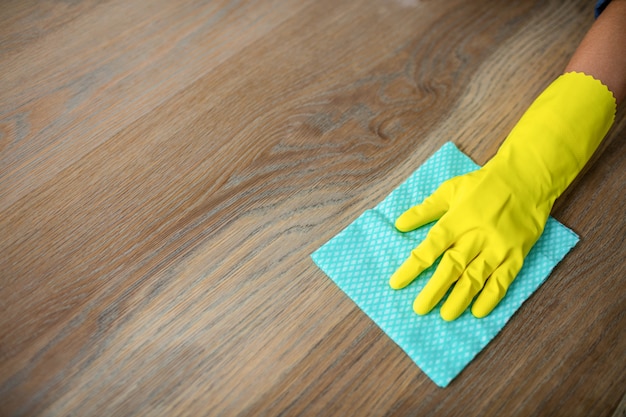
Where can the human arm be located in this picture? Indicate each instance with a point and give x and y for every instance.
(488, 220)
(602, 52)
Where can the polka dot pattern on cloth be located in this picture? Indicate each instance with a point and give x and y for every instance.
(362, 257)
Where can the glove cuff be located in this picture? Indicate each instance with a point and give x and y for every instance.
(556, 136)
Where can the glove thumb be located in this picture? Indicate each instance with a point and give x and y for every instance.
(431, 209)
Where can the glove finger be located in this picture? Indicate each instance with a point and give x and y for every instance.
(423, 256)
(471, 282)
(431, 209)
(450, 268)
(496, 287)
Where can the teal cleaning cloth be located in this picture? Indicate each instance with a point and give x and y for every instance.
(362, 257)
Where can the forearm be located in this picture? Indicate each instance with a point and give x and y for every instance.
(602, 53)
(556, 136)
(565, 125)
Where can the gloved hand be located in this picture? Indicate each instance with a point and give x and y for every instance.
(489, 219)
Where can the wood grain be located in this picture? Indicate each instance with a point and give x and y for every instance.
(166, 169)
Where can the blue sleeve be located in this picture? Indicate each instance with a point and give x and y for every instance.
(600, 5)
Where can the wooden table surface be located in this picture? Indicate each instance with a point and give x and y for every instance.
(167, 167)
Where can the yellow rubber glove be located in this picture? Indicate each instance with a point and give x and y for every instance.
(489, 219)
